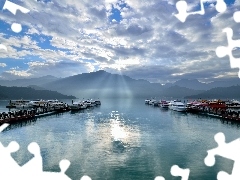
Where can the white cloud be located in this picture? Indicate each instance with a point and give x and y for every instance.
(3, 65)
(81, 32)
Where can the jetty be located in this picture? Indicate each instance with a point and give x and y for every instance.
(39, 109)
(225, 110)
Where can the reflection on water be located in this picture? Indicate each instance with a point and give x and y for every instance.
(123, 139)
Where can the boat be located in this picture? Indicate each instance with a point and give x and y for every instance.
(178, 106)
(153, 102)
(171, 103)
(97, 102)
(233, 104)
(59, 106)
(163, 104)
(89, 103)
(147, 101)
(38, 103)
(77, 106)
(20, 104)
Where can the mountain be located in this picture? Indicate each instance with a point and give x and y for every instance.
(30, 93)
(28, 81)
(103, 84)
(196, 85)
(219, 92)
(225, 83)
(192, 84)
(179, 92)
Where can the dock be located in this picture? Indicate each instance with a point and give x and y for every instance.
(28, 114)
(42, 110)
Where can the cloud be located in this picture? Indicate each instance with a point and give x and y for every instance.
(81, 36)
(3, 65)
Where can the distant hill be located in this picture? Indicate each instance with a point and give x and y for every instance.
(196, 85)
(219, 92)
(103, 84)
(30, 93)
(179, 92)
(28, 81)
(36, 87)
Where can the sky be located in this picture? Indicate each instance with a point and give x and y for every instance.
(139, 38)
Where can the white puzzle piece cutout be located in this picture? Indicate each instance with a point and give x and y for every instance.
(33, 169)
(222, 51)
(177, 171)
(227, 150)
(182, 6)
(12, 7)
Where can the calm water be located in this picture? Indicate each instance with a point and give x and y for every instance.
(123, 139)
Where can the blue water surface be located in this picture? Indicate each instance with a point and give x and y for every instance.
(123, 139)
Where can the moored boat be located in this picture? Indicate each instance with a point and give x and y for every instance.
(233, 104)
(163, 104)
(77, 106)
(19, 104)
(179, 106)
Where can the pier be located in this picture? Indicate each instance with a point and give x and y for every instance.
(213, 108)
(43, 109)
(21, 115)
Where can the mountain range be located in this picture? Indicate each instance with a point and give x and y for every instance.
(195, 84)
(102, 84)
(9, 93)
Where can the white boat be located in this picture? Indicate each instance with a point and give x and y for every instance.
(233, 104)
(90, 103)
(153, 102)
(38, 103)
(21, 104)
(58, 105)
(170, 104)
(77, 106)
(179, 106)
(163, 104)
(147, 101)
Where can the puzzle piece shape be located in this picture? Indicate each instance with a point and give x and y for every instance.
(85, 178)
(34, 166)
(236, 17)
(177, 171)
(226, 150)
(32, 169)
(183, 14)
(3, 126)
(222, 51)
(12, 7)
(7, 163)
(64, 165)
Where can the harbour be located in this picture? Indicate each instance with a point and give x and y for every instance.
(122, 139)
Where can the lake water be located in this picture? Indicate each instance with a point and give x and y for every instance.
(123, 139)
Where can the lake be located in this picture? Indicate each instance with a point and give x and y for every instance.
(123, 139)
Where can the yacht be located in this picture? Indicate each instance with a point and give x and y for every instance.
(38, 103)
(233, 104)
(179, 106)
(147, 101)
(19, 104)
(170, 104)
(98, 102)
(77, 106)
(163, 104)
